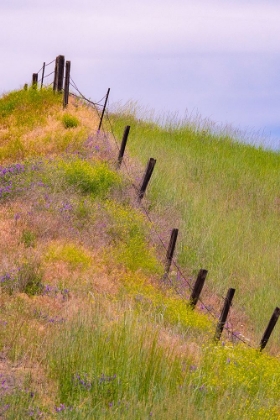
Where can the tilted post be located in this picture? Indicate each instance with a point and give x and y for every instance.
(198, 286)
(170, 250)
(66, 84)
(103, 110)
(269, 328)
(43, 74)
(123, 145)
(146, 178)
(224, 314)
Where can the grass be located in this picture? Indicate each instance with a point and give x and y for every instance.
(88, 328)
(225, 198)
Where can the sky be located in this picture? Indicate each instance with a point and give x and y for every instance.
(215, 60)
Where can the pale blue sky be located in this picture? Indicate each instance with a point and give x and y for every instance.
(218, 58)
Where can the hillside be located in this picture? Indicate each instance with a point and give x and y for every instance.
(88, 328)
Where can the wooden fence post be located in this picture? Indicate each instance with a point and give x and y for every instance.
(269, 328)
(224, 314)
(103, 110)
(123, 145)
(55, 75)
(146, 178)
(198, 287)
(34, 80)
(170, 250)
(43, 74)
(66, 84)
(58, 74)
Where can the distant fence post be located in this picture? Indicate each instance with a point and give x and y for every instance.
(146, 178)
(170, 250)
(66, 84)
(55, 75)
(224, 314)
(103, 110)
(58, 73)
(43, 74)
(25, 87)
(34, 80)
(198, 287)
(123, 145)
(269, 329)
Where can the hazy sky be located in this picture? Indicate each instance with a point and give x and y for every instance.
(218, 58)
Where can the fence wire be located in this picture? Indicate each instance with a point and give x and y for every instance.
(215, 316)
(183, 279)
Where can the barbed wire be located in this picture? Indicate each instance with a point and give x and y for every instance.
(46, 65)
(166, 277)
(211, 312)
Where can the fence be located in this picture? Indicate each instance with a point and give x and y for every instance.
(61, 83)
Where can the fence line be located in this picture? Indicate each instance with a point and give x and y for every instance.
(227, 301)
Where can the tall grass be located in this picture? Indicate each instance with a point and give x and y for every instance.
(226, 198)
(87, 330)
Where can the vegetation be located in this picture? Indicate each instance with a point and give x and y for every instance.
(224, 198)
(88, 327)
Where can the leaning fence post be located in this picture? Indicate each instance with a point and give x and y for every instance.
(198, 287)
(43, 74)
(103, 110)
(170, 250)
(123, 145)
(269, 328)
(66, 84)
(34, 80)
(146, 178)
(224, 314)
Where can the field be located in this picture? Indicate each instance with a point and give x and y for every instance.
(88, 328)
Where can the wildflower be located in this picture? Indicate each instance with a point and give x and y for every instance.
(60, 408)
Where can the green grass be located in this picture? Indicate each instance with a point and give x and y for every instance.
(88, 328)
(225, 199)
(122, 370)
(27, 107)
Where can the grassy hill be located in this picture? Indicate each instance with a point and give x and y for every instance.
(87, 328)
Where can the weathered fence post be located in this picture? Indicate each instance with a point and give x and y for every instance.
(198, 287)
(224, 314)
(34, 80)
(43, 74)
(269, 328)
(25, 87)
(66, 84)
(103, 110)
(123, 145)
(170, 250)
(58, 73)
(146, 178)
(55, 75)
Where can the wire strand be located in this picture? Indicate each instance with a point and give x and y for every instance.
(166, 277)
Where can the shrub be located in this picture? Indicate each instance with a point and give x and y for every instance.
(96, 179)
(26, 279)
(69, 121)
